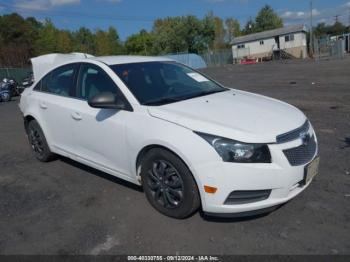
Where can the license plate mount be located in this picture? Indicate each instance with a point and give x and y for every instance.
(311, 170)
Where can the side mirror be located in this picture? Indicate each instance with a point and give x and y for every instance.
(106, 100)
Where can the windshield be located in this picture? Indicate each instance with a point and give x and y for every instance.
(159, 83)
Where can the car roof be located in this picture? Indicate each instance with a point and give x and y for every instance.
(126, 59)
(45, 63)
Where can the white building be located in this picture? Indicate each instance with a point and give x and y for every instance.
(289, 40)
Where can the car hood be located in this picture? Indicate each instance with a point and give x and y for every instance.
(234, 114)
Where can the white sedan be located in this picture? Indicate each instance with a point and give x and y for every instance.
(187, 140)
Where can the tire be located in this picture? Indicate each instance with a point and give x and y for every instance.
(168, 184)
(5, 97)
(38, 142)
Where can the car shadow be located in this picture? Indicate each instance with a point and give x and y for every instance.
(104, 114)
(132, 186)
(101, 174)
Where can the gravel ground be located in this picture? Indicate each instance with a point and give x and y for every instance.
(63, 207)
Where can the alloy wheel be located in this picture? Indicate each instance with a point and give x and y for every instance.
(36, 141)
(165, 183)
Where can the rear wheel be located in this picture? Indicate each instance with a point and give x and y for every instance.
(38, 142)
(168, 184)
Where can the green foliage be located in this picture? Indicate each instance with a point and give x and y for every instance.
(267, 19)
(336, 29)
(21, 39)
(183, 34)
(250, 27)
(140, 43)
(233, 29)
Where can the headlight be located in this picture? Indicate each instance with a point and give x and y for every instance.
(235, 151)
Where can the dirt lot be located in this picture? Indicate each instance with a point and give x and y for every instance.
(63, 207)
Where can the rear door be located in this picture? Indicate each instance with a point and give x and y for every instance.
(99, 134)
(55, 103)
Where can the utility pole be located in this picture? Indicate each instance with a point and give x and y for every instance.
(336, 18)
(311, 33)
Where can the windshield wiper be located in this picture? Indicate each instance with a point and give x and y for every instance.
(168, 100)
(162, 101)
(204, 93)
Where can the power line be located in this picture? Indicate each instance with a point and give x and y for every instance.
(336, 18)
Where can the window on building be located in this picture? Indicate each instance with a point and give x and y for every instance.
(241, 46)
(262, 42)
(289, 38)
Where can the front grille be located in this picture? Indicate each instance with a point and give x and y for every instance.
(246, 196)
(294, 134)
(302, 154)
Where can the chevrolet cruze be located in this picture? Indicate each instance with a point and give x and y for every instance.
(187, 140)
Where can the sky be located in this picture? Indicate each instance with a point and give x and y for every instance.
(130, 16)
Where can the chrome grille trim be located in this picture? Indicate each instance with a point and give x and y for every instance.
(302, 154)
(294, 134)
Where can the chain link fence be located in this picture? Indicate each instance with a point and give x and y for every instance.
(217, 57)
(205, 59)
(325, 48)
(17, 73)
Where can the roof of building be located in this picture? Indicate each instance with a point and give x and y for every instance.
(269, 34)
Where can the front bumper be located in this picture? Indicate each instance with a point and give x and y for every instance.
(284, 181)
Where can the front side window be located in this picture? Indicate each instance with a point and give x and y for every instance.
(157, 83)
(93, 80)
(60, 81)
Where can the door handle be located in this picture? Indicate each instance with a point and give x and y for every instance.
(43, 105)
(76, 116)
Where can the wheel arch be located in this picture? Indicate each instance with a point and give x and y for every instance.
(143, 152)
(27, 119)
(30, 117)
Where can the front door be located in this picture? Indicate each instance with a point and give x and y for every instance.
(99, 134)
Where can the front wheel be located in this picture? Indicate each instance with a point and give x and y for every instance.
(168, 184)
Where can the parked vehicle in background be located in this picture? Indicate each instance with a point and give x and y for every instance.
(11, 85)
(189, 141)
(5, 92)
(26, 82)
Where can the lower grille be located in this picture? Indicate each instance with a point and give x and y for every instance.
(248, 196)
(302, 154)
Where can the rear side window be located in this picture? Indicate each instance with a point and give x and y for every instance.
(60, 81)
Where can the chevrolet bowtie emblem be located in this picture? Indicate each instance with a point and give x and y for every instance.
(305, 138)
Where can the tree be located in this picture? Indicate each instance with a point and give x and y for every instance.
(84, 41)
(338, 28)
(267, 19)
(47, 39)
(219, 40)
(249, 27)
(64, 42)
(233, 29)
(182, 34)
(17, 37)
(140, 43)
